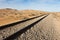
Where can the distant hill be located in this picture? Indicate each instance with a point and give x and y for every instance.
(9, 15)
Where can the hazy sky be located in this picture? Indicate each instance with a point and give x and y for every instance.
(44, 5)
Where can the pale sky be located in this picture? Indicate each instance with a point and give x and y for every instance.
(43, 5)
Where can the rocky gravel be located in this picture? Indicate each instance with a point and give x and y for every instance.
(44, 30)
(13, 29)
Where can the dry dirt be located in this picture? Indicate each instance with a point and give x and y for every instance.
(43, 30)
(11, 15)
(57, 23)
(13, 29)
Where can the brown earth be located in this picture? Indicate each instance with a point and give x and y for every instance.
(11, 15)
(57, 23)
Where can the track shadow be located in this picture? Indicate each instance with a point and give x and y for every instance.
(15, 35)
(12, 24)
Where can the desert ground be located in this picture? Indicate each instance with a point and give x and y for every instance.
(12, 15)
(47, 29)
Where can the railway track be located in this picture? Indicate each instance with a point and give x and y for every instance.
(12, 31)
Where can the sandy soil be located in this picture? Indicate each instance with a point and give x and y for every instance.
(57, 23)
(13, 29)
(11, 15)
(43, 30)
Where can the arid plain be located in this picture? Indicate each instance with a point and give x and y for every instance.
(50, 26)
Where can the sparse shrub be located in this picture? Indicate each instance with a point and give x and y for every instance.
(15, 13)
(11, 16)
(40, 13)
(8, 8)
(25, 18)
(4, 14)
(33, 14)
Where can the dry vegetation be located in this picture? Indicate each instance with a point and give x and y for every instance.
(10, 15)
